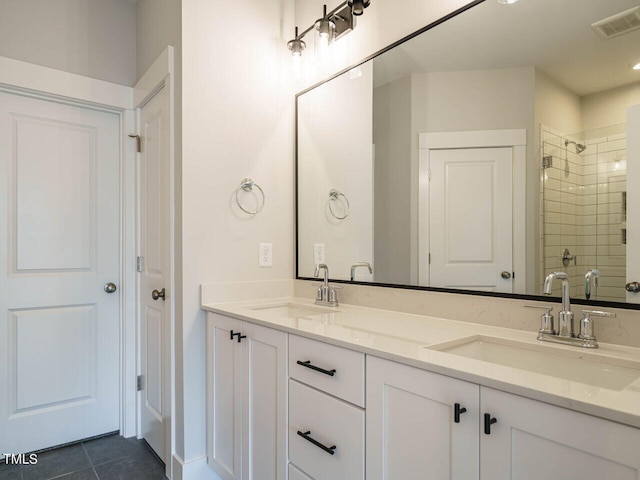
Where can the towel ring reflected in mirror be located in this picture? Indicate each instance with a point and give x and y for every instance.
(247, 185)
(334, 196)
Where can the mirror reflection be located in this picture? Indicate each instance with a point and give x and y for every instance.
(482, 154)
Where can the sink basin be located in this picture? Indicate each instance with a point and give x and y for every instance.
(293, 310)
(584, 367)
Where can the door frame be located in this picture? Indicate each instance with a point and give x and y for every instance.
(159, 75)
(514, 138)
(36, 81)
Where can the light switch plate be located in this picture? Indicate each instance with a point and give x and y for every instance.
(318, 253)
(266, 255)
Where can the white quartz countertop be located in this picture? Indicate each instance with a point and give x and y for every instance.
(414, 340)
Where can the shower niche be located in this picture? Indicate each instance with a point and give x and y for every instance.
(583, 208)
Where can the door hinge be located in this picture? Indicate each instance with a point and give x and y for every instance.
(139, 264)
(138, 142)
(139, 383)
(429, 258)
(429, 174)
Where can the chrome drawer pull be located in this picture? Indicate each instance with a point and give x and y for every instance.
(305, 435)
(307, 364)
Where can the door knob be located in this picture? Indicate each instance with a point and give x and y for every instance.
(506, 275)
(158, 294)
(633, 287)
(110, 287)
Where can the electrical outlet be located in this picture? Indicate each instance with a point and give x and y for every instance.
(318, 253)
(266, 255)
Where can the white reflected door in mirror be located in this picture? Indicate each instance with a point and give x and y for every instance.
(471, 219)
(472, 210)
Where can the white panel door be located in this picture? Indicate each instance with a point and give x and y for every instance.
(412, 432)
(471, 218)
(59, 221)
(633, 200)
(154, 251)
(532, 440)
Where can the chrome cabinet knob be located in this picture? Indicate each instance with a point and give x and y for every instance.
(110, 287)
(506, 275)
(158, 294)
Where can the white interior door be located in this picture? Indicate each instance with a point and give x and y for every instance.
(471, 218)
(154, 250)
(633, 199)
(59, 221)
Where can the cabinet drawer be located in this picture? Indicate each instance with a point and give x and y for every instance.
(295, 474)
(330, 422)
(347, 382)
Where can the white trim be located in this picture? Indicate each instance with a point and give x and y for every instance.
(474, 139)
(153, 79)
(161, 74)
(515, 138)
(196, 469)
(55, 85)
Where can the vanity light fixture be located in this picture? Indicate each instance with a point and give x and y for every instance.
(358, 6)
(330, 27)
(296, 45)
(507, 2)
(636, 66)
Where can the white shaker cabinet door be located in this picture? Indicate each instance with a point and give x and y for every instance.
(224, 390)
(412, 428)
(531, 440)
(247, 391)
(264, 430)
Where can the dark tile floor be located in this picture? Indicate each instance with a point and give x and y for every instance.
(107, 458)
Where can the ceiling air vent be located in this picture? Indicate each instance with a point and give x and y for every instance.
(619, 24)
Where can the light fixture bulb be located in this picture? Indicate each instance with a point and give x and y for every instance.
(296, 45)
(507, 2)
(358, 6)
(326, 29)
(636, 66)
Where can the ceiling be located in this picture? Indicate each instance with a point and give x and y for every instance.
(552, 35)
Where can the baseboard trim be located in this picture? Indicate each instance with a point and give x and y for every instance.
(195, 469)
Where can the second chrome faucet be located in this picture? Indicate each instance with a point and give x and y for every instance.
(565, 333)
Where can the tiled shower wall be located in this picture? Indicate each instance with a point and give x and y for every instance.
(584, 209)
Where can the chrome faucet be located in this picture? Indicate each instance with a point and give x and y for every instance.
(359, 264)
(565, 317)
(326, 294)
(565, 334)
(590, 279)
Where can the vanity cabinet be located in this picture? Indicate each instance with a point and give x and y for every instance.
(246, 400)
(412, 433)
(532, 440)
(326, 421)
(420, 425)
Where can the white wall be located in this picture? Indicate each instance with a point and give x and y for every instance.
(609, 107)
(237, 122)
(392, 136)
(95, 38)
(158, 24)
(335, 152)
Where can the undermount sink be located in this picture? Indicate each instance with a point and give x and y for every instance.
(293, 310)
(584, 367)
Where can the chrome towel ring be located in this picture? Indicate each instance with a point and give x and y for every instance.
(333, 197)
(247, 185)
